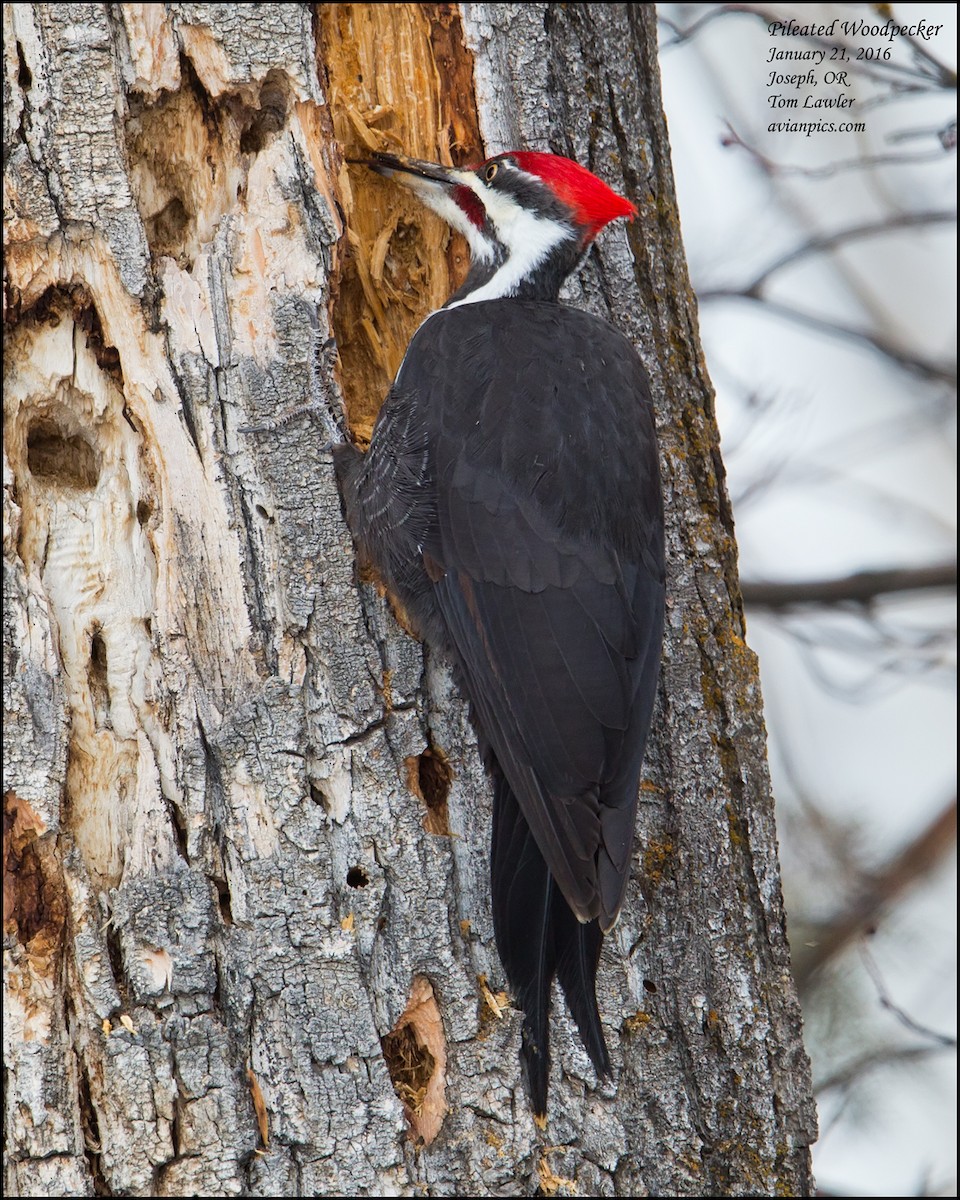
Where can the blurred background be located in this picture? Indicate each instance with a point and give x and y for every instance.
(825, 267)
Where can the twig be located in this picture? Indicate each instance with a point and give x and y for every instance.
(941, 1040)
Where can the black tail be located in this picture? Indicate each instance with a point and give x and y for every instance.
(539, 937)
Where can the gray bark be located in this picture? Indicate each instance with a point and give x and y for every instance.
(221, 892)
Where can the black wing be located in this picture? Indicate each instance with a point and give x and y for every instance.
(544, 548)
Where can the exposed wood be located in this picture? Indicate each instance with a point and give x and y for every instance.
(399, 77)
(416, 1056)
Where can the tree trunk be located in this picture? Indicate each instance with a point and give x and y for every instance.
(248, 942)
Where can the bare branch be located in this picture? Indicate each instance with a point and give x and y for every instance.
(830, 169)
(830, 241)
(862, 587)
(946, 134)
(851, 1072)
(913, 363)
(909, 866)
(687, 33)
(891, 658)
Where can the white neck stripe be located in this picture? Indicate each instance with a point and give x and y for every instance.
(529, 241)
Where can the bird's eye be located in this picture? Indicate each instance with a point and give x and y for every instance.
(491, 172)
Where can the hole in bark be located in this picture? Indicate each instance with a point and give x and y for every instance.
(98, 653)
(115, 954)
(357, 877)
(269, 120)
(178, 825)
(144, 511)
(46, 310)
(92, 1146)
(98, 681)
(364, 86)
(223, 896)
(649, 985)
(411, 1066)
(415, 1053)
(429, 776)
(56, 457)
(24, 74)
(34, 898)
(165, 230)
(178, 149)
(13, 299)
(75, 301)
(176, 1136)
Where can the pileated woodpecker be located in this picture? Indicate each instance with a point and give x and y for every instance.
(511, 500)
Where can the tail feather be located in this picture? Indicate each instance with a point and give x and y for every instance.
(523, 923)
(578, 952)
(538, 937)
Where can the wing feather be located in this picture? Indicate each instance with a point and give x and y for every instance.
(539, 514)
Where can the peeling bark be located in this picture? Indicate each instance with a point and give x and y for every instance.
(245, 824)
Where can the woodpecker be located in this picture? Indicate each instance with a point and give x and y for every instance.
(510, 498)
